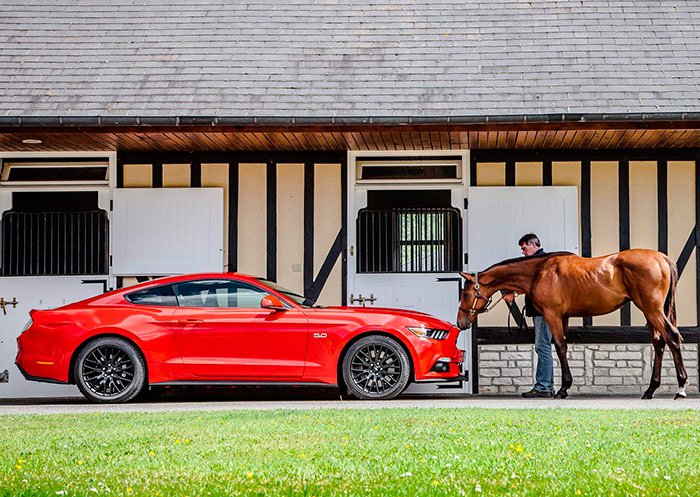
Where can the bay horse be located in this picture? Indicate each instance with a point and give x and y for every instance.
(563, 285)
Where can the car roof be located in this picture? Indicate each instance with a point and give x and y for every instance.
(195, 276)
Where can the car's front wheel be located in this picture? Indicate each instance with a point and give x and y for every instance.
(376, 367)
(110, 369)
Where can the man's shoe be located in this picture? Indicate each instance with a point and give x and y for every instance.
(533, 394)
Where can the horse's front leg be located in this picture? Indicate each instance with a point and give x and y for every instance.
(558, 325)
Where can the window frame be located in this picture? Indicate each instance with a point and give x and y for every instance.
(127, 296)
(264, 290)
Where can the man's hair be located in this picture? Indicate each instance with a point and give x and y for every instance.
(528, 239)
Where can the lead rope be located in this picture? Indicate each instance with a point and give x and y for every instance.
(522, 326)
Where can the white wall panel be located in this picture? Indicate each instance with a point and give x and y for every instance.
(167, 231)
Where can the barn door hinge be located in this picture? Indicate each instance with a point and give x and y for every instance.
(466, 203)
(110, 261)
(111, 205)
(466, 258)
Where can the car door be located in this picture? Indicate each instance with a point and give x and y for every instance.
(221, 331)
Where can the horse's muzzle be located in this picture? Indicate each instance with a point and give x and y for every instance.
(464, 321)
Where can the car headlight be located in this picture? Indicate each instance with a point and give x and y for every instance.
(432, 333)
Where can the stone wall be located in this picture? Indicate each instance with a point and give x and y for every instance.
(603, 368)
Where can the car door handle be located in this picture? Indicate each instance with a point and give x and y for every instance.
(189, 322)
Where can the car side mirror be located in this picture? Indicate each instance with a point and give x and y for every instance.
(272, 302)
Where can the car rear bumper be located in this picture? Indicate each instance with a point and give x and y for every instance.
(38, 359)
(29, 377)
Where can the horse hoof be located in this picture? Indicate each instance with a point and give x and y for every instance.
(679, 396)
(561, 395)
(648, 395)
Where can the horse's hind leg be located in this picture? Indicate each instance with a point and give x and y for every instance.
(673, 338)
(659, 344)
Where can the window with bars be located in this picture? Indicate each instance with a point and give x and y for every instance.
(409, 240)
(54, 233)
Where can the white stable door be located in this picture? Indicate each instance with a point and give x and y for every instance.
(499, 216)
(167, 231)
(434, 293)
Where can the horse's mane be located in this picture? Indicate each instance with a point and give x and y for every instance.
(517, 260)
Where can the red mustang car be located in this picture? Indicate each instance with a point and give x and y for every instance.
(231, 329)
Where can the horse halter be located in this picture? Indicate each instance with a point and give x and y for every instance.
(473, 311)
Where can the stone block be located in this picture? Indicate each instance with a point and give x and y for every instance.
(608, 380)
(487, 389)
(503, 381)
(522, 381)
(626, 355)
(489, 372)
(489, 356)
(604, 363)
(495, 364)
(509, 389)
(626, 372)
(510, 372)
(518, 356)
(491, 348)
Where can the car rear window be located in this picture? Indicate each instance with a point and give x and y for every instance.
(160, 296)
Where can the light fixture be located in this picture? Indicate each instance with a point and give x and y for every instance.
(31, 141)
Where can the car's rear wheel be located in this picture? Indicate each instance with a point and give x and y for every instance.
(110, 369)
(376, 367)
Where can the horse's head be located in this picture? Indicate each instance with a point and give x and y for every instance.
(471, 301)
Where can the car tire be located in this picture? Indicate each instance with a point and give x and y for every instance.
(110, 370)
(376, 367)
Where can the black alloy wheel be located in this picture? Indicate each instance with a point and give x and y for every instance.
(376, 367)
(110, 369)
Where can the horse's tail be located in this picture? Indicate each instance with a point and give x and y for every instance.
(670, 304)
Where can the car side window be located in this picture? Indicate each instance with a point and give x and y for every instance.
(158, 296)
(219, 293)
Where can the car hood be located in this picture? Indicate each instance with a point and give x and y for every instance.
(422, 317)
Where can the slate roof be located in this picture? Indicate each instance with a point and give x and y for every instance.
(347, 58)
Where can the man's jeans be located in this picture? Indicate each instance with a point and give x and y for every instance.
(544, 376)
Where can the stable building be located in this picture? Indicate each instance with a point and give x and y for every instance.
(358, 153)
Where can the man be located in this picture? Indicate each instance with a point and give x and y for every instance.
(544, 376)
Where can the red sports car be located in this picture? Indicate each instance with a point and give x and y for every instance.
(231, 329)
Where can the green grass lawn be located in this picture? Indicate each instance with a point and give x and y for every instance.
(353, 452)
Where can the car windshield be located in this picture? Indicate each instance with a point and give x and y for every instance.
(299, 299)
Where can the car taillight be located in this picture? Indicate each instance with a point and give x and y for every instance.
(433, 333)
(27, 326)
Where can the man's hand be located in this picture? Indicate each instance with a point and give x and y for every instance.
(509, 297)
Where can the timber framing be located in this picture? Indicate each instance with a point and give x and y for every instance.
(313, 283)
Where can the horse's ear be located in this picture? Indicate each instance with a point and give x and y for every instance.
(467, 276)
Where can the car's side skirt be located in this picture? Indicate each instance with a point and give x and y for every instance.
(226, 383)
